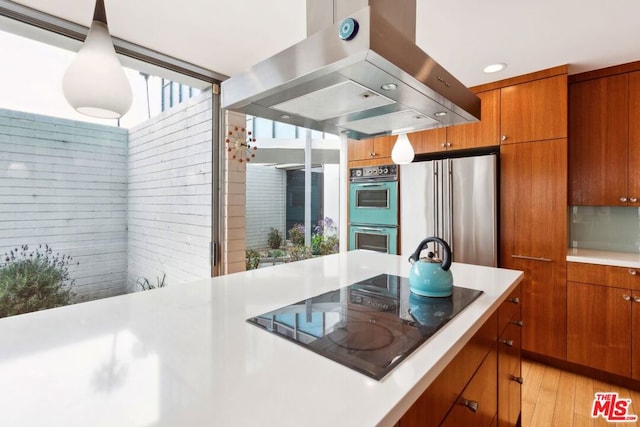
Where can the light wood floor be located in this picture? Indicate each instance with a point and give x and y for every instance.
(555, 398)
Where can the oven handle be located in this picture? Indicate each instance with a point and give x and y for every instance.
(380, 230)
(370, 185)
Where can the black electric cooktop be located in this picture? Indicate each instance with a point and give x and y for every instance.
(369, 326)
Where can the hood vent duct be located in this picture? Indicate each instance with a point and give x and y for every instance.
(358, 72)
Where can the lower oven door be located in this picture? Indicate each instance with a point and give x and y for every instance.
(374, 238)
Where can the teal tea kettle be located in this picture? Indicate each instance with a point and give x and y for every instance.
(429, 277)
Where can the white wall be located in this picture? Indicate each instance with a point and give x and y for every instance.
(64, 183)
(266, 203)
(332, 193)
(169, 196)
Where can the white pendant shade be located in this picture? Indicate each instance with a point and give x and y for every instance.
(95, 83)
(402, 153)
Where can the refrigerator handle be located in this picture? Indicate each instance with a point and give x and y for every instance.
(450, 216)
(436, 210)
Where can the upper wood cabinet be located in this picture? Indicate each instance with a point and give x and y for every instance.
(479, 134)
(534, 111)
(484, 133)
(428, 141)
(633, 184)
(371, 149)
(599, 149)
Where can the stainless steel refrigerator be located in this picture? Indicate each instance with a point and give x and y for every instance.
(454, 199)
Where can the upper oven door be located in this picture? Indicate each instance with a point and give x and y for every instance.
(373, 203)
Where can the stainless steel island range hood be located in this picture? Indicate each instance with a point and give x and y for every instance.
(361, 75)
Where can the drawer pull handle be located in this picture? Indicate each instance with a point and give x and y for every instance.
(471, 404)
(515, 300)
(519, 380)
(636, 299)
(518, 323)
(623, 199)
(503, 138)
(508, 343)
(532, 258)
(626, 297)
(633, 199)
(632, 272)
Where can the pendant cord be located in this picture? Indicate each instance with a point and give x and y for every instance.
(99, 13)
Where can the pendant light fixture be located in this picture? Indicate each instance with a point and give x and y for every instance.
(402, 153)
(95, 83)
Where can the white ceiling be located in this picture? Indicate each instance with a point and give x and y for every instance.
(228, 36)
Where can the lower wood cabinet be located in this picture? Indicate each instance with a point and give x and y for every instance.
(635, 328)
(477, 404)
(432, 407)
(509, 360)
(481, 385)
(509, 375)
(603, 318)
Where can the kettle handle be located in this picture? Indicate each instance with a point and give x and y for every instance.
(446, 259)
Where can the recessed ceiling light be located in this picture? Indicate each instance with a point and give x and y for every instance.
(494, 68)
(285, 116)
(440, 114)
(389, 86)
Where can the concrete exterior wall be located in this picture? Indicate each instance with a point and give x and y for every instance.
(64, 183)
(169, 197)
(266, 203)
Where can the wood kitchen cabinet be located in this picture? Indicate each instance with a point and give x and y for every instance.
(635, 330)
(599, 327)
(484, 133)
(509, 360)
(604, 145)
(432, 406)
(476, 406)
(603, 318)
(534, 111)
(533, 236)
(371, 149)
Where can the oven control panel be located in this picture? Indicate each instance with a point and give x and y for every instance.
(374, 173)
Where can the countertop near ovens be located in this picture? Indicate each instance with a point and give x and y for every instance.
(185, 355)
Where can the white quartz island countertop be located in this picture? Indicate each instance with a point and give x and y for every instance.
(184, 355)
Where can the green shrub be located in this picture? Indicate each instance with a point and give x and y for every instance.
(324, 245)
(324, 240)
(296, 235)
(299, 252)
(252, 259)
(277, 253)
(145, 284)
(275, 238)
(34, 280)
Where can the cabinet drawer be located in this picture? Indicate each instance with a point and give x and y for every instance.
(435, 402)
(478, 403)
(604, 275)
(509, 310)
(509, 376)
